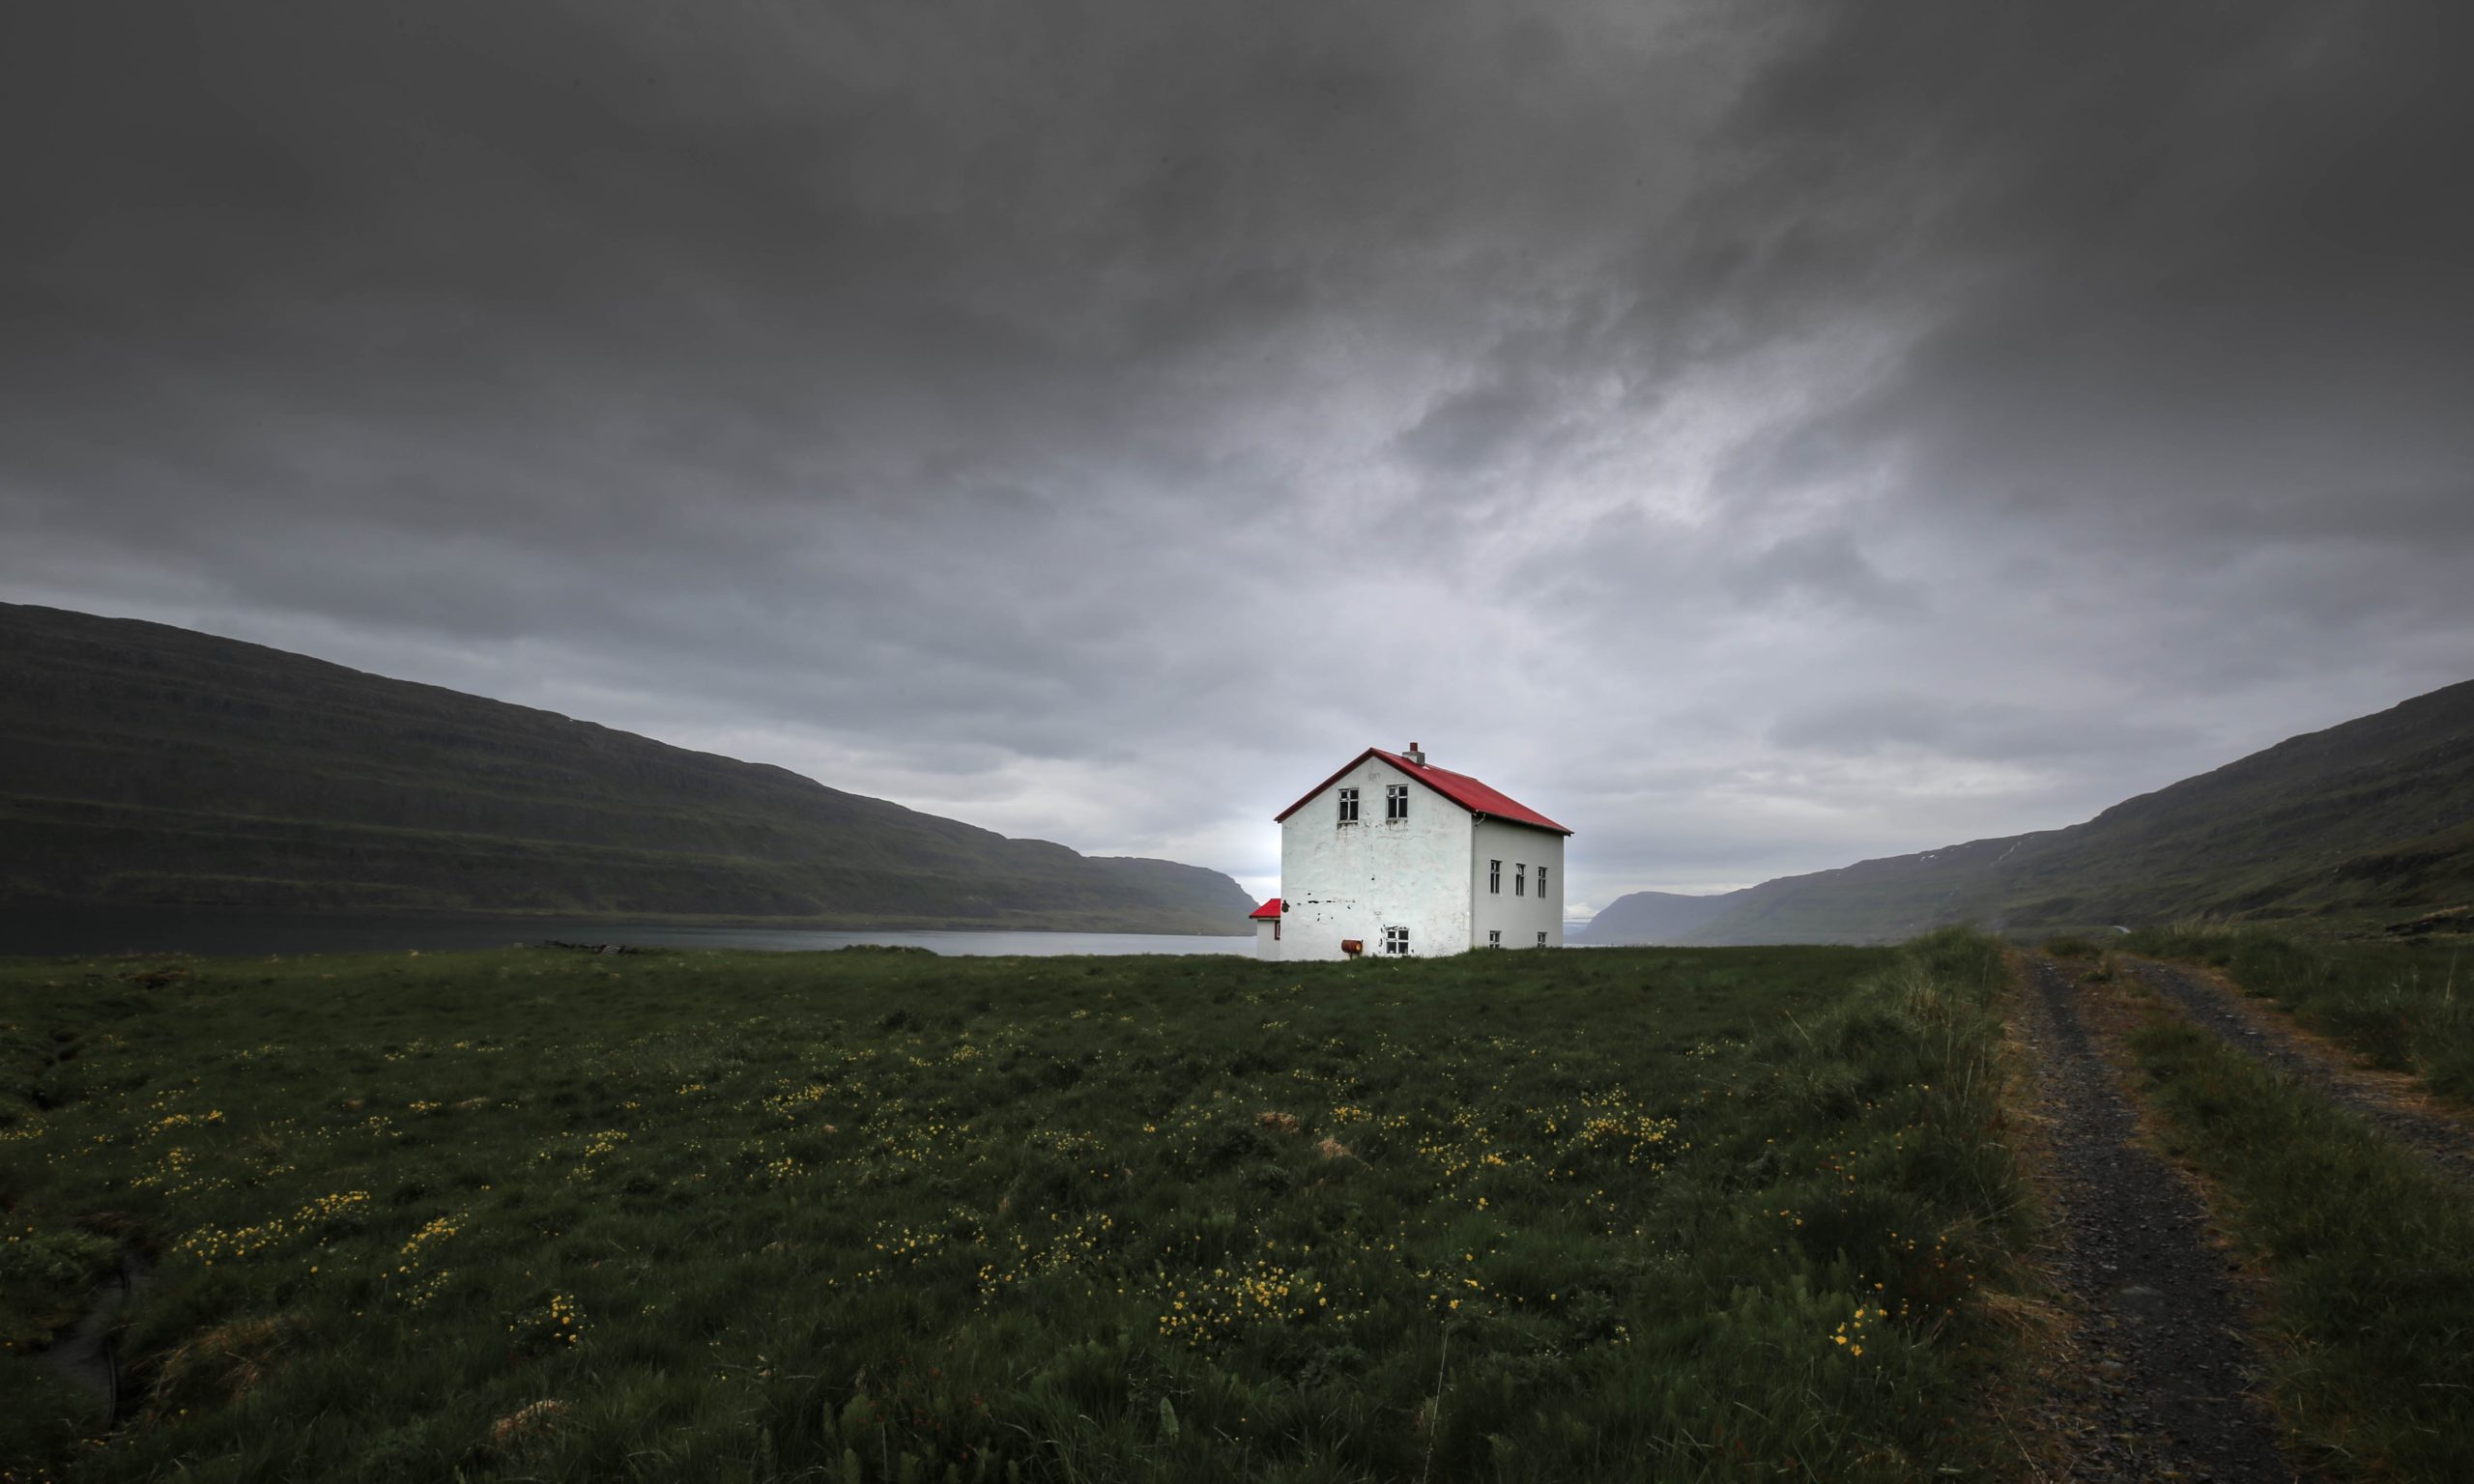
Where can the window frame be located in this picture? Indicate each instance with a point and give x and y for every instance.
(1396, 803)
(1396, 942)
(1541, 937)
(1495, 937)
(1348, 806)
(1494, 879)
(1520, 878)
(1541, 883)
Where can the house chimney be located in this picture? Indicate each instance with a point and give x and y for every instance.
(1416, 756)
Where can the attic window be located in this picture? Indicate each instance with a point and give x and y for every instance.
(1348, 806)
(1395, 802)
(1396, 940)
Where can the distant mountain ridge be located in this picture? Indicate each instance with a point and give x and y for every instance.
(145, 763)
(1656, 917)
(2370, 818)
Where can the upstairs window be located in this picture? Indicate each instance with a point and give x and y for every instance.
(1520, 880)
(1495, 937)
(1542, 881)
(1395, 802)
(1495, 877)
(1348, 806)
(1396, 940)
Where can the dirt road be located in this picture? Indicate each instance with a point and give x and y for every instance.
(2390, 1100)
(2166, 1384)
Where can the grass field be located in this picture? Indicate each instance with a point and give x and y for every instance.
(1722, 1213)
(2406, 1005)
(2366, 1250)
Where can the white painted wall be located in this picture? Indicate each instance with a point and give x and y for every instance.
(1266, 938)
(1519, 919)
(1352, 881)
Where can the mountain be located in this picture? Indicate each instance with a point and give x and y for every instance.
(141, 763)
(1655, 916)
(2365, 821)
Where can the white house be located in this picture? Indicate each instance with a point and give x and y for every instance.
(1394, 855)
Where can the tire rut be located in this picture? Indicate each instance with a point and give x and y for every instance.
(2256, 1034)
(2167, 1387)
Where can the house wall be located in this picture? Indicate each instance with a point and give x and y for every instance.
(1521, 919)
(1266, 938)
(1352, 881)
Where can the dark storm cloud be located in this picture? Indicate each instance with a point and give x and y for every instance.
(1865, 724)
(2205, 272)
(1762, 438)
(1822, 567)
(1469, 430)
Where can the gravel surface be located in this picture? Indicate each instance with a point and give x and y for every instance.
(2166, 1385)
(2384, 1099)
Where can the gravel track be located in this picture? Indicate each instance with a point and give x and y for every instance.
(2166, 1385)
(2251, 1029)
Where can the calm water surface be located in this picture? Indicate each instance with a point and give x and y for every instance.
(160, 930)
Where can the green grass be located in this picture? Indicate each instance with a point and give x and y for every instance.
(2405, 1006)
(2369, 1252)
(1730, 1214)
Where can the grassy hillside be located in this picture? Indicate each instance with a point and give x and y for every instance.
(144, 763)
(529, 1215)
(2367, 821)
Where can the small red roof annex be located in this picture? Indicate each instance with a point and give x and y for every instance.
(1269, 909)
(1460, 788)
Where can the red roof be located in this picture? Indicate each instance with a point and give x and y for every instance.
(1460, 788)
(1270, 908)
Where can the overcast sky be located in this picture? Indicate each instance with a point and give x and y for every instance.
(1759, 436)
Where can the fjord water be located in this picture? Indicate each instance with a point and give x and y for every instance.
(43, 933)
